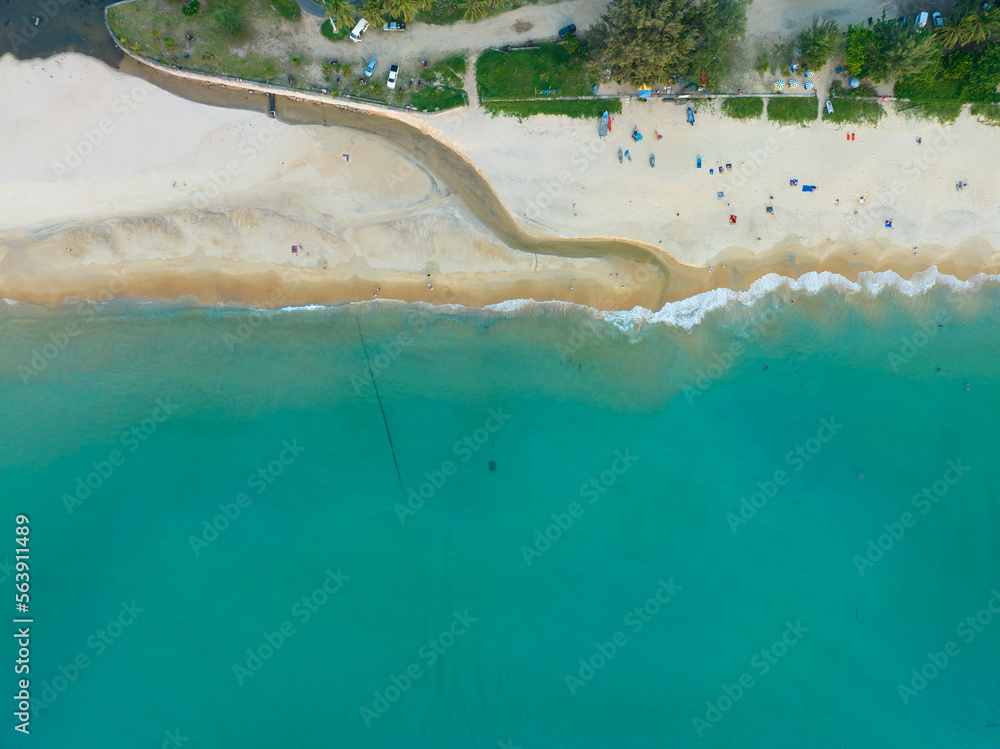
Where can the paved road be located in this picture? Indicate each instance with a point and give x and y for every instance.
(308, 6)
(424, 41)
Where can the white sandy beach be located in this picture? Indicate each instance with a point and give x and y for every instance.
(560, 178)
(141, 178)
(210, 201)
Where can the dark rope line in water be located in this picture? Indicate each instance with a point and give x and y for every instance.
(469, 723)
(378, 397)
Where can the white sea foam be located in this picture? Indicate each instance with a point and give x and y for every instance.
(684, 313)
(687, 313)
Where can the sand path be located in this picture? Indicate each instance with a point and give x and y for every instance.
(427, 42)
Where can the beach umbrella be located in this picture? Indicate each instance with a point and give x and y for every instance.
(854, 83)
(808, 85)
(794, 67)
(793, 83)
(809, 74)
(778, 85)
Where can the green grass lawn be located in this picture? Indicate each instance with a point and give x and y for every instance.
(743, 108)
(326, 29)
(287, 9)
(799, 110)
(442, 87)
(528, 72)
(854, 111)
(580, 108)
(265, 52)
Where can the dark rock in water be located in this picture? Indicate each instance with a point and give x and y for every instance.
(493, 465)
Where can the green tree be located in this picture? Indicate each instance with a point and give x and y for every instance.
(992, 20)
(909, 53)
(473, 10)
(405, 9)
(341, 12)
(646, 41)
(859, 49)
(818, 43)
(973, 28)
(373, 11)
(721, 25)
(950, 35)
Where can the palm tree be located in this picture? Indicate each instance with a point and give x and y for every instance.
(342, 12)
(373, 11)
(494, 4)
(992, 20)
(950, 34)
(404, 9)
(973, 28)
(475, 9)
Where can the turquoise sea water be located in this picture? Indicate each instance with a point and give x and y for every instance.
(604, 584)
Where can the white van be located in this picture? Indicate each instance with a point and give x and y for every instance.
(922, 20)
(359, 30)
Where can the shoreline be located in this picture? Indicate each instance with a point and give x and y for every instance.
(483, 255)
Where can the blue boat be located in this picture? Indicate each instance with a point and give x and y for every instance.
(699, 162)
(604, 124)
(691, 116)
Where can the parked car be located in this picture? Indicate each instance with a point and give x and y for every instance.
(904, 21)
(393, 74)
(938, 21)
(394, 26)
(567, 30)
(921, 23)
(371, 68)
(359, 30)
(829, 106)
